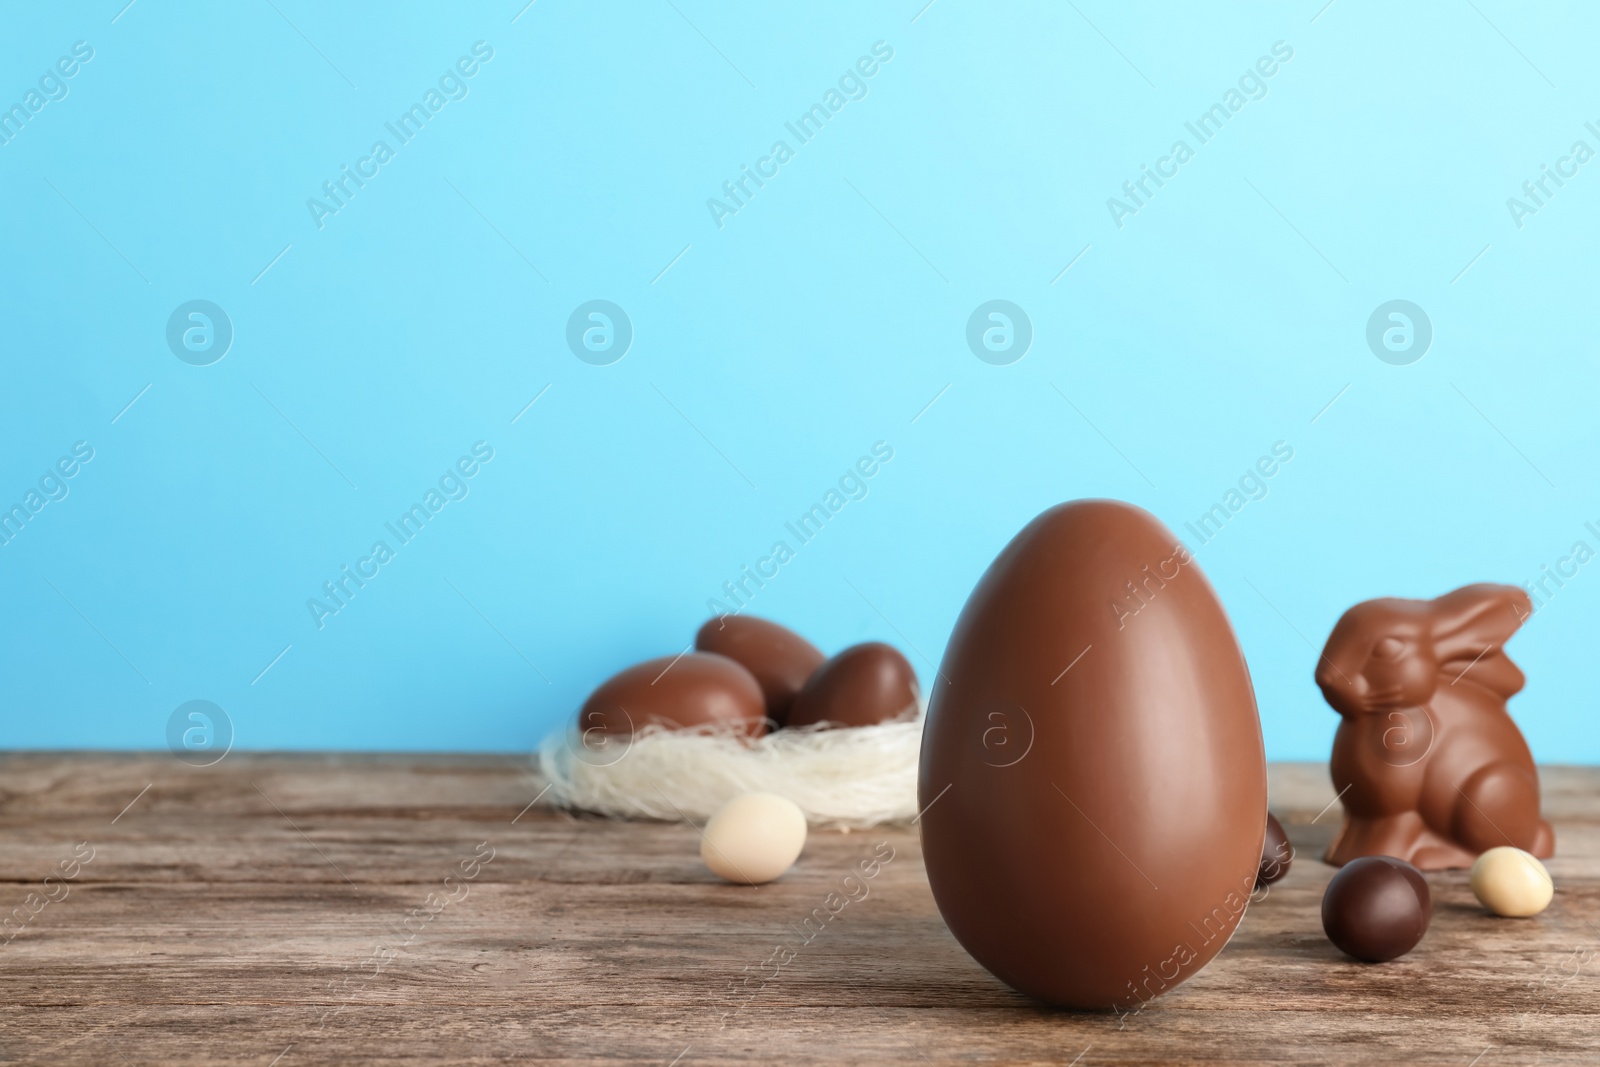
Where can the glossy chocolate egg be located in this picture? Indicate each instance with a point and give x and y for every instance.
(1377, 908)
(861, 686)
(1276, 853)
(1093, 786)
(780, 659)
(695, 689)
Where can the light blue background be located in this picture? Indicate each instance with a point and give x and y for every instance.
(823, 317)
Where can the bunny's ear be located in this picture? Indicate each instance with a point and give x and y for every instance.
(1474, 619)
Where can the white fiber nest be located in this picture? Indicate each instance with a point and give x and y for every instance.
(851, 777)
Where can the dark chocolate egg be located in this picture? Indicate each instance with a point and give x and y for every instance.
(1376, 908)
(1276, 853)
(861, 686)
(1093, 786)
(780, 659)
(695, 689)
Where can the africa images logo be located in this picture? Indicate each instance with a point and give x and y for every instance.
(999, 332)
(199, 332)
(1399, 332)
(199, 733)
(599, 332)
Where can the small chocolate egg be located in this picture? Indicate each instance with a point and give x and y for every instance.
(1376, 908)
(695, 689)
(1510, 882)
(1276, 852)
(780, 659)
(861, 686)
(753, 838)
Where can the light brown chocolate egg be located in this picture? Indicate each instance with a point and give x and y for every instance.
(780, 659)
(861, 686)
(692, 690)
(1093, 783)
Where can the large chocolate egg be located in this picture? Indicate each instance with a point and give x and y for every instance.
(692, 690)
(780, 659)
(861, 686)
(1093, 786)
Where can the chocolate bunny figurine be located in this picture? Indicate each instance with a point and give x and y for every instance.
(1430, 766)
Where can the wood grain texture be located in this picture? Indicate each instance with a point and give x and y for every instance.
(269, 907)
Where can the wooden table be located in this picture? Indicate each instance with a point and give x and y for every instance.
(307, 909)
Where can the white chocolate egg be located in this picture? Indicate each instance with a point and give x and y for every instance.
(754, 838)
(1510, 882)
